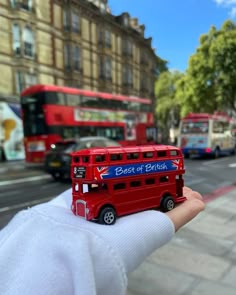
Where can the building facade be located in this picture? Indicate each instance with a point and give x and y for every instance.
(75, 43)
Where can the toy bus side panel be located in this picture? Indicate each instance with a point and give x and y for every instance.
(144, 196)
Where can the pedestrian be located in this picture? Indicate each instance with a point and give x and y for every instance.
(46, 250)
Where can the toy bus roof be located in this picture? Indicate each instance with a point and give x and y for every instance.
(43, 87)
(128, 149)
(216, 115)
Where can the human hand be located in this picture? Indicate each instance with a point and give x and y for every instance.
(187, 210)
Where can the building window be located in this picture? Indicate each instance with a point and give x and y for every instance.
(71, 21)
(28, 39)
(107, 34)
(144, 82)
(72, 57)
(23, 4)
(75, 22)
(127, 75)
(104, 37)
(24, 80)
(105, 67)
(77, 59)
(28, 48)
(16, 39)
(66, 20)
(26, 4)
(67, 56)
(127, 47)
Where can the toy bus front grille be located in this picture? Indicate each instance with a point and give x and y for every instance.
(81, 208)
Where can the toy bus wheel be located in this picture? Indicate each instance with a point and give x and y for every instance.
(107, 216)
(167, 204)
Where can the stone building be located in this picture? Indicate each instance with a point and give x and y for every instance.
(75, 43)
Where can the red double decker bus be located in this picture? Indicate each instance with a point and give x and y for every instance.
(52, 113)
(115, 181)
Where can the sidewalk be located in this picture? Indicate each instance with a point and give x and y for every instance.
(200, 260)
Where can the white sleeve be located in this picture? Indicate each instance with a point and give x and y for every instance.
(47, 250)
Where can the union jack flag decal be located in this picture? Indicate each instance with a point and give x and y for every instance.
(178, 164)
(100, 172)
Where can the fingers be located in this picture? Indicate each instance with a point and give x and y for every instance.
(190, 194)
(189, 209)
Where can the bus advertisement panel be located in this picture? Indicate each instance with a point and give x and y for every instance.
(52, 113)
(206, 134)
(115, 181)
(11, 132)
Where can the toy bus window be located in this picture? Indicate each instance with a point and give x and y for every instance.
(161, 153)
(119, 186)
(76, 159)
(76, 187)
(100, 158)
(148, 155)
(85, 159)
(115, 157)
(164, 179)
(135, 183)
(104, 186)
(132, 156)
(173, 153)
(85, 188)
(149, 181)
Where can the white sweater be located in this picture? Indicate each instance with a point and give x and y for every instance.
(46, 250)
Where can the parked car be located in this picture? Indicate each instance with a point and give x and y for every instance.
(58, 160)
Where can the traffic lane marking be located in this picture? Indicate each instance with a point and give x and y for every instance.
(22, 180)
(23, 205)
(233, 165)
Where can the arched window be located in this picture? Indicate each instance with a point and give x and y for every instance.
(16, 38)
(28, 39)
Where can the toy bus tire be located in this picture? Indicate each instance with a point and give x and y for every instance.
(167, 204)
(107, 216)
(186, 155)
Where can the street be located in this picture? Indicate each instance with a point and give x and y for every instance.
(22, 187)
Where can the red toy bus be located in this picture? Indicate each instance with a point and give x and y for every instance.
(116, 181)
(52, 113)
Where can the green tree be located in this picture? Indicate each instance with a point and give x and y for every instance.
(167, 107)
(209, 83)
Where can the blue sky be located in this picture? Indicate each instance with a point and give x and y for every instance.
(176, 26)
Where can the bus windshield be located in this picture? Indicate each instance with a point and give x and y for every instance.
(189, 127)
(33, 117)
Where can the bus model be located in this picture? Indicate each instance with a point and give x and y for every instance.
(206, 134)
(52, 113)
(116, 181)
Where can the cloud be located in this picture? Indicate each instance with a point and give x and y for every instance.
(226, 2)
(231, 4)
(233, 12)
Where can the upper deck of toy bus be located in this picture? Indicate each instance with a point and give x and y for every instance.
(130, 158)
(158, 151)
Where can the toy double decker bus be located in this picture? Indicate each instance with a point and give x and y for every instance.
(115, 181)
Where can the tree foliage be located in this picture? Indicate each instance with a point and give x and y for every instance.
(167, 107)
(210, 80)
